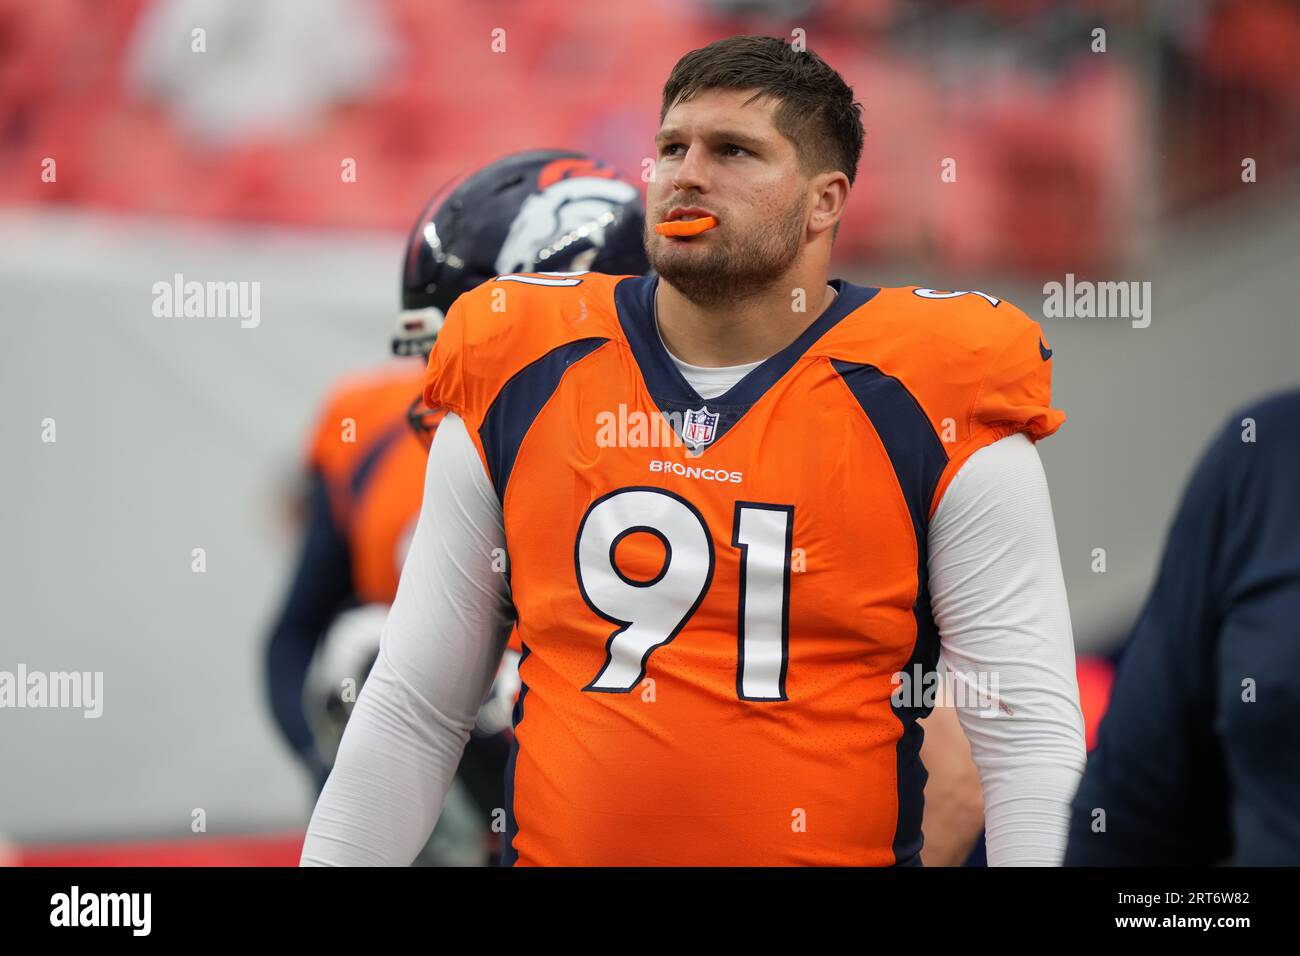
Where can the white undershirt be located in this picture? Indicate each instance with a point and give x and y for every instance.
(712, 382)
(997, 593)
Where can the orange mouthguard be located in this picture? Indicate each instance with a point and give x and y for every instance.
(686, 227)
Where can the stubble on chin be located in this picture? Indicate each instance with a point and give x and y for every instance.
(725, 273)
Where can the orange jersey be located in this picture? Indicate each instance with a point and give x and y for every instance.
(374, 469)
(714, 596)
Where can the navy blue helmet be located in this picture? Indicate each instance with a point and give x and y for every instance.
(538, 211)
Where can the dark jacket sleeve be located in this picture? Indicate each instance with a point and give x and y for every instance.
(1154, 790)
(321, 588)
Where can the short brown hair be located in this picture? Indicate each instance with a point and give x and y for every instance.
(815, 108)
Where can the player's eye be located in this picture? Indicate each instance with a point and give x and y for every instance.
(740, 149)
(668, 148)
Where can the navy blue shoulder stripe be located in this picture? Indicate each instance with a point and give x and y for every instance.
(918, 458)
(917, 454)
(518, 403)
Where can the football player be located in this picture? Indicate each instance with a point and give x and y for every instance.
(543, 209)
(737, 500)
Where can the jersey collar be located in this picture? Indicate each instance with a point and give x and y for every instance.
(634, 301)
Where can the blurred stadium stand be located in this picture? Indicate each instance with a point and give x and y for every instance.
(256, 127)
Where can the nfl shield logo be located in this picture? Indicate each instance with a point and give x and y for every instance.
(700, 427)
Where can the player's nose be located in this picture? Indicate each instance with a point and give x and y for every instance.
(692, 172)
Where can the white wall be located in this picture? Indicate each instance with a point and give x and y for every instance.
(172, 434)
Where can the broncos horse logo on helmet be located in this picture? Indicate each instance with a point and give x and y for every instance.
(536, 211)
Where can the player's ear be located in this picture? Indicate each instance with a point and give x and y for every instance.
(830, 193)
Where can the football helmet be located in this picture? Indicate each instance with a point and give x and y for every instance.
(538, 211)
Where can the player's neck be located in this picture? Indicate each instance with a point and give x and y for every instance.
(737, 332)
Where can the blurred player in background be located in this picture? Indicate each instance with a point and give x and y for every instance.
(1198, 757)
(546, 210)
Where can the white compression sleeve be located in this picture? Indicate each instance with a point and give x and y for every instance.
(998, 596)
(438, 655)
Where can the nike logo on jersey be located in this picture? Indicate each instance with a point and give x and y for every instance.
(1043, 350)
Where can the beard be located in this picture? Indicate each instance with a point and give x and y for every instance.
(729, 268)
